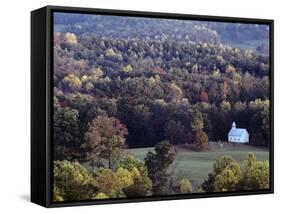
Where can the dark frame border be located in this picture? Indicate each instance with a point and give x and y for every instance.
(49, 101)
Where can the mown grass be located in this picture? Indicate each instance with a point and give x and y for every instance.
(196, 165)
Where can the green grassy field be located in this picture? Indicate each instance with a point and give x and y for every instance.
(196, 165)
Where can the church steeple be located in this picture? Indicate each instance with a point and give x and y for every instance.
(233, 125)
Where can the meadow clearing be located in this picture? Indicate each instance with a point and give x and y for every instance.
(196, 165)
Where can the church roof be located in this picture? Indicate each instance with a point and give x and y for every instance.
(236, 132)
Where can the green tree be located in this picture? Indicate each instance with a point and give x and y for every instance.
(142, 184)
(89, 86)
(72, 82)
(197, 122)
(175, 132)
(96, 73)
(70, 38)
(66, 133)
(225, 106)
(72, 181)
(127, 69)
(125, 177)
(228, 179)
(130, 162)
(255, 174)
(123, 182)
(260, 122)
(185, 186)
(158, 164)
(225, 175)
(57, 194)
(101, 195)
(176, 92)
(230, 69)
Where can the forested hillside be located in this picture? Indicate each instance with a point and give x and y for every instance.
(251, 36)
(160, 86)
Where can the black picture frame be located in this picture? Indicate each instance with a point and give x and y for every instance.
(42, 101)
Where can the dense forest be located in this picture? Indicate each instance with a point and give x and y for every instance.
(125, 82)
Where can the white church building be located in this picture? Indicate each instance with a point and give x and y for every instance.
(238, 135)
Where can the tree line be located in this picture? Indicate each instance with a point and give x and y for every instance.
(131, 177)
